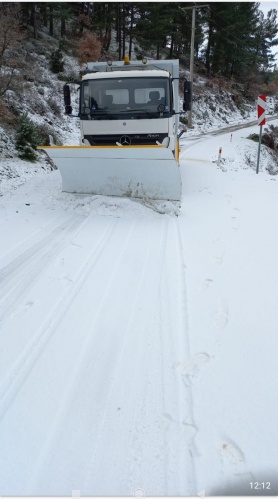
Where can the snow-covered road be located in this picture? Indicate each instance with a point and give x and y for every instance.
(93, 334)
(139, 350)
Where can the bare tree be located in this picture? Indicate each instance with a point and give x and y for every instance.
(89, 48)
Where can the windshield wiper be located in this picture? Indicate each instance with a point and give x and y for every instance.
(99, 111)
(143, 111)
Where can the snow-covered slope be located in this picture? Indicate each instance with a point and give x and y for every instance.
(39, 93)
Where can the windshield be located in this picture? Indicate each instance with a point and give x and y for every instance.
(125, 96)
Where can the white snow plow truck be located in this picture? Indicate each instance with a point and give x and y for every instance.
(129, 115)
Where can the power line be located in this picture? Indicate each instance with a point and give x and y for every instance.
(221, 18)
(224, 29)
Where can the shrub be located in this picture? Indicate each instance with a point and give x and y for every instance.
(237, 98)
(7, 116)
(54, 106)
(208, 84)
(254, 137)
(72, 76)
(27, 139)
(38, 106)
(57, 61)
(89, 49)
(272, 165)
(64, 44)
(43, 132)
(270, 137)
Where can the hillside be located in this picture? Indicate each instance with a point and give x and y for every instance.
(38, 92)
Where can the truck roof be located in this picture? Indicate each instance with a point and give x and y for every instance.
(126, 74)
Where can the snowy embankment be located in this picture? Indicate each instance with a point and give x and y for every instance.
(139, 350)
(230, 245)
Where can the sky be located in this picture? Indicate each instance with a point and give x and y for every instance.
(266, 6)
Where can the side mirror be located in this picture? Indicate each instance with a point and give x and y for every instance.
(187, 96)
(67, 99)
(68, 109)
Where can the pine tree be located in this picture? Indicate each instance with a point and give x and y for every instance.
(102, 17)
(239, 39)
(265, 38)
(57, 61)
(152, 26)
(27, 139)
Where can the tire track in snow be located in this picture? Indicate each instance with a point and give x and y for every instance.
(156, 452)
(175, 418)
(80, 372)
(25, 241)
(160, 460)
(166, 337)
(123, 423)
(21, 369)
(21, 263)
(185, 391)
(22, 272)
(133, 441)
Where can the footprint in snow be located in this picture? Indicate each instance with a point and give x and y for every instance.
(168, 423)
(206, 283)
(192, 366)
(230, 452)
(221, 315)
(218, 258)
(22, 309)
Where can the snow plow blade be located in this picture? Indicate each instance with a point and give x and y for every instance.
(129, 171)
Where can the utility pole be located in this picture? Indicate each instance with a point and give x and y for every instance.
(191, 69)
(192, 62)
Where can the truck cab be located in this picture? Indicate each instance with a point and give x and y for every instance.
(137, 101)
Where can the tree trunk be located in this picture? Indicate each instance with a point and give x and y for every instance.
(120, 33)
(63, 27)
(107, 38)
(34, 20)
(208, 49)
(117, 25)
(108, 29)
(157, 51)
(24, 12)
(44, 15)
(51, 28)
(131, 28)
(123, 24)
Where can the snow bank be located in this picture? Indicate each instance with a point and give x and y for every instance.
(230, 239)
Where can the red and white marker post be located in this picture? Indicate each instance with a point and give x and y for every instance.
(219, 156)
(261, 122)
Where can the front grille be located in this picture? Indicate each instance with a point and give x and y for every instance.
(126, 139)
